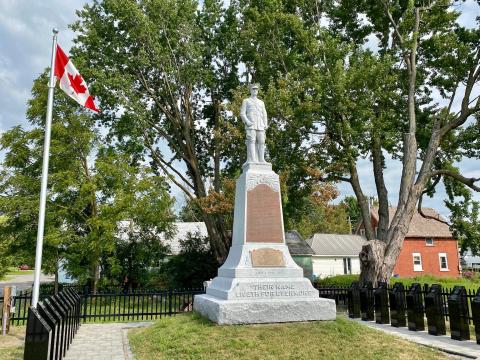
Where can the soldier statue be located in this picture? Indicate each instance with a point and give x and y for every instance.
(254, 116)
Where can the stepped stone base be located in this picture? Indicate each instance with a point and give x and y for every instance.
(227, 312)
(259, 281)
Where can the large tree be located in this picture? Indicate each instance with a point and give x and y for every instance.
(91, 189)
(367, 86)
(163, 69)
(166, 68)
(387, 103)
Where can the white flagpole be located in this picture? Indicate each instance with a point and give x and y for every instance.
(43, 189)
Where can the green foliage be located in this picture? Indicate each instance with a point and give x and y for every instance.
(171, 66)
(472, 284)
(464, 215)
(346, 281)
(337, 280)
(329, 219)
(192, 266)
(353, 210)
(90, 189)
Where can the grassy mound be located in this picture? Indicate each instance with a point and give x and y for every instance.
(190, 336)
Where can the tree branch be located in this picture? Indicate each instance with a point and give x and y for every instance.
(165, 166)
(394, 24)
(420, 200)
(382, 192)
(465, 110)
(335, 178)
(420, 211)
(470, 182)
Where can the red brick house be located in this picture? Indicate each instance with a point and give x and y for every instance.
(429, 247)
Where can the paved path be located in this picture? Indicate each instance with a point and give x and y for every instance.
(102, 342)
(463, 349)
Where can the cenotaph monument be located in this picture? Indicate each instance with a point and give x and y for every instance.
(259, 282)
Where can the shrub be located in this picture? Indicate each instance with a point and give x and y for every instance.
(338, 280)
(191, 267)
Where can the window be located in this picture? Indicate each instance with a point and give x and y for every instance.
(417, 262)
(429, 241)
(442, 258)
(347, 266)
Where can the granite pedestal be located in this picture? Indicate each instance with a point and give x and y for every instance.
(259, 282)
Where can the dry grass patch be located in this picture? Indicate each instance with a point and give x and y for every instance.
(190, 336)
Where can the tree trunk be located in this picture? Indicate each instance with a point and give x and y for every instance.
(372, 262)
(219, 239)
(378, 258)
(94, 277)
(55, 286)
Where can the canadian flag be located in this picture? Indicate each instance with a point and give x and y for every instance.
(71, 81)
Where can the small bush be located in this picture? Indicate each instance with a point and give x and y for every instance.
(338, 280)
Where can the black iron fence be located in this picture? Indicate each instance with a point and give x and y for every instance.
(117, 305)
(385, 304)
(340, 295)
(52, 325)
(410, 306)
(337, 293)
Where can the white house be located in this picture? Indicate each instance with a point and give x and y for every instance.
(469, 261)
(335, 254)
(181, 232)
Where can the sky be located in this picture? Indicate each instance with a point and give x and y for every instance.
(25, 48)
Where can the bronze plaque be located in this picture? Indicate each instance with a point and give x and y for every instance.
(264, 218)
(267, 258)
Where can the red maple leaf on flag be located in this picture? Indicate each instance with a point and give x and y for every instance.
(76, 83)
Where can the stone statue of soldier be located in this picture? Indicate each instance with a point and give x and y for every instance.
(254, 117)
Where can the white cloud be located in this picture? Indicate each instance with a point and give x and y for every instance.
(25, 45)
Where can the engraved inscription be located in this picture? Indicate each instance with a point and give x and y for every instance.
(269, 290)
(267, 257)
(264, 218)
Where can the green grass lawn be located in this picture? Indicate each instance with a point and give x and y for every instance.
(190, 336)
(11, 345)
(17, 271)
(346, 280)
(445, 282)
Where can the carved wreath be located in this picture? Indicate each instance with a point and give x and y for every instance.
(268, 179)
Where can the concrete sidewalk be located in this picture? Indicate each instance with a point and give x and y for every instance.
(102, 342)
(463, 349)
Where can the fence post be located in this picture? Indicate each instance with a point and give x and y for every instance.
(434, 311)
(382, 313)
(170, 296)
(475, 303)
(458, 314)
(416, 321)
(397, 305)
(7, 291)
(38, 337)
(366, 302)
(84, 299)
(354, 300)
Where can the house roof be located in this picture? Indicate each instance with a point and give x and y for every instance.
(420, 226)
(336, 244)
(296, 244)
(182, 230)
